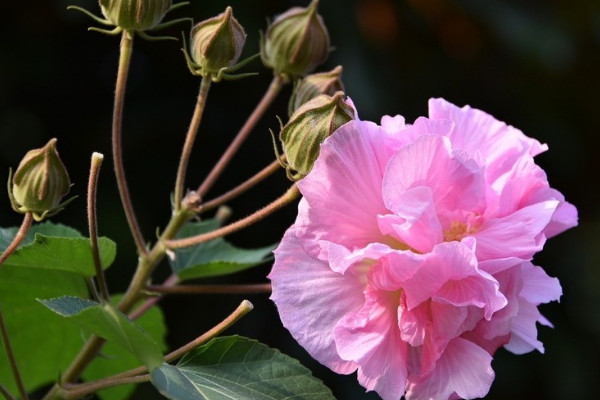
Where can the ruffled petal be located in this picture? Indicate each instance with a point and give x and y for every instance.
(538, 287)
(312, 299)
(523, 337)
(463, 369)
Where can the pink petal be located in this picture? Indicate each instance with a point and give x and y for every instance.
(312, 299)
(516, 235)
(538, 287)
(464, 368)
(523, 337)
(350, 171)
(370, 338)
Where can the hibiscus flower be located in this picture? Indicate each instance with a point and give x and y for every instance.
(410, 258)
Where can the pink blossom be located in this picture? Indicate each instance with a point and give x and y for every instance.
(410, 259)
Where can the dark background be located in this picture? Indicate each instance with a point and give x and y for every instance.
(531, 63)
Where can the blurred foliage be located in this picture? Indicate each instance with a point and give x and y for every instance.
(531, 63)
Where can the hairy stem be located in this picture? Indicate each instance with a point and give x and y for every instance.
(289, 196)
(17, 240)
(272, 92)
(93, 226)
(264, 173)
(79, 391)
(189, 142)
(123, 70)
(212, 289)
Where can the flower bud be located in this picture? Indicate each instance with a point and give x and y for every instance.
(135, 15)
(308, 127)
(217, 43)
(40, 182)
(313, 85)
(296, 42)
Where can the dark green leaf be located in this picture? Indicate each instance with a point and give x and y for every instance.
(115, 359)
(70, 253)
(236, 368)
(216, 257)
(106, 321)
(43, 342)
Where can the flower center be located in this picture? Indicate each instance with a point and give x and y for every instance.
(459, 230)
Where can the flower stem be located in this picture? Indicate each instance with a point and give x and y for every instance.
(17, 240)
(211, 289)
(289, 196)
(93, 226)
(272, 92)
(189, 142)
(21, 233)
(244, 308)
(81, 390)
(264, 173)
(6, 393)
(121, 83)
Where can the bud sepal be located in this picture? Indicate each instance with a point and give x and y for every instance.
(135, 16)
(307, 128)
(313, 85)
(39, 183)
(215, 46)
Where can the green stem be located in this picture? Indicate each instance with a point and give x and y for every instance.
(79, 391)
(93, 226)
(117, 148)
(189, 142)
(290, 195)
(272, 92)
(264, 173)
(17, 240)
(6, 393)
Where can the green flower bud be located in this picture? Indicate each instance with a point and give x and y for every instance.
(135, 15)
(308, 127)
(217, 43)
(296, 42)
(315, 84)
(40, 182)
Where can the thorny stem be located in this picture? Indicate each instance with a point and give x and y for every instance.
(272, 92)
(265, 172)
(289, 196)
(189, 142)
(17, 240)
(211, 289)
(135, 375)
(92, 223)
(117, 148)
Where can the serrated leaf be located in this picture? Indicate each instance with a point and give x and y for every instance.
(44, 343)
(43, 249)
(115, 359)
(216, 257)
(237, 368)
(106, 321)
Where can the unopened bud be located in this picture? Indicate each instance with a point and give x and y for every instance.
(135, 15)
(40, 182)
(296, 42)
(217, 43)
(313, 85)
(308, 127)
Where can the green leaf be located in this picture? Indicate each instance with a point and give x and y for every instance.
(70, 253)
(106, 321)
(115, 359)
(216, 257)
(237, 368)
(44, 343)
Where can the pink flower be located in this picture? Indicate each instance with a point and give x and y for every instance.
(410, 259)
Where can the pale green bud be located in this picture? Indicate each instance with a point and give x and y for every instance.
(40, 182)
(217, 43)
(135, 15)
(308, 127)
(313, 85)
(296, 42)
